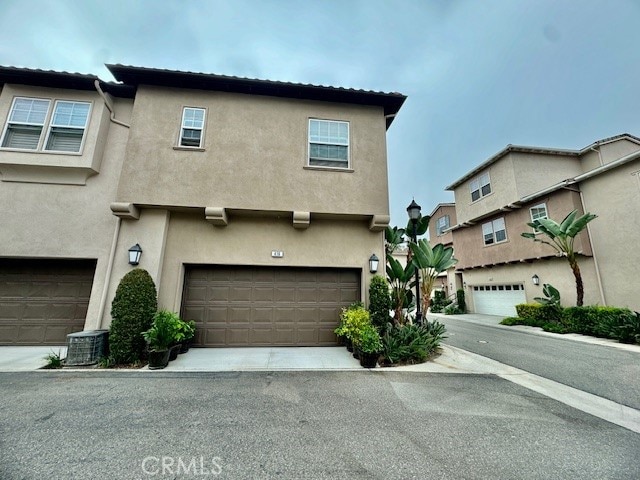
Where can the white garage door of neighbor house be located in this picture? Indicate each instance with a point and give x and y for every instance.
(498, 299)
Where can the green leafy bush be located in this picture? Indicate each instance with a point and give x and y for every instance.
(580, 320)
(411, 343)
(460, 298)
(368, 340)
(513, 321)
(439, 302)
(132, 312)
(352, 320)
(164, 331)
(379, 301)
(452, 310)
(537, 314)
(551, 295)
(529, 311)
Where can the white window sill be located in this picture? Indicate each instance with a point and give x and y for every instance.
(481, 198)
(329, 169)
(40, 152)
(189, 149)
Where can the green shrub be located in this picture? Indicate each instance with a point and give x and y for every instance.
(513, 321)
(352, 321)
(379, 301)
(164, 331)
(411, 343)
(580, 320)
(368, 341)
(438, 302)
(554, 328)
(132, 312)
(452, 310)
(618, 323)
(528, 311)
(462, 303)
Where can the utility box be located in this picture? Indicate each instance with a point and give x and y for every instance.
(86, 348)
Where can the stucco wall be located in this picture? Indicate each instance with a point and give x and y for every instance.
(615, 197)
(535, 172)
(469, 244)
(255, 155)
(447, 237)
(555, 271)
(66, 221)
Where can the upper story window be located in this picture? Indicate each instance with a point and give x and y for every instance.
(328, 143)
(192, 127)
(442, 224)
(538, 212)
(29, 117)
(494, 232)
(480, 186)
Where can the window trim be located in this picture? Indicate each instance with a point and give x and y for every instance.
(51, 126)
(47, 126)
(546, 213)
(493, 232)
(478, 178)
(200, 146)
(348, 167)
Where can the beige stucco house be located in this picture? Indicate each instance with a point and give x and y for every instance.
(257, 204)
(495, 201)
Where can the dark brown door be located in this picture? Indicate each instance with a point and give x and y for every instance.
(41, 301)
(264, 306)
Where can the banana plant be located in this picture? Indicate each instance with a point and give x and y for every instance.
(561, 236)
(431, 262)
(400, 280)
(392, 238)
(422, 225)
(551, 295)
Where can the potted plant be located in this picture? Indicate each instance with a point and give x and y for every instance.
(352, 320)
(369, 345)
(159, 339)
(186, 331)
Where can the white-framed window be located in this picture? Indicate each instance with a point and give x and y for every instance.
(480, 186)
(328, 143)
(67, 126)
(25, 123)
(192, 128)
(29, 118)
(442, 224)
(538, 212)
(494, 232)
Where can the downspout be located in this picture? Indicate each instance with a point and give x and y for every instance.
(112, 115)
(595, 258)
(599, 154)
(107, 279)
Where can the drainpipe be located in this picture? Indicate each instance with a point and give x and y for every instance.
(595, 258)
(107, 279)
(599, 154)
(112, 115)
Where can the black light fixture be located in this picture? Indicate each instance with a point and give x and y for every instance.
(134, 254)
(414, 211)
(373, 263)
(535, 279)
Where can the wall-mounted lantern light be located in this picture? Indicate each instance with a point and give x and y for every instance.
(134, 254)
(535, 279)
(373, 263)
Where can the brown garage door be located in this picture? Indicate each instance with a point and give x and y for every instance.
(260, 306)
(41, 301)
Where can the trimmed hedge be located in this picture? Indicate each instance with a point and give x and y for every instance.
(379, 302)
(609, 322)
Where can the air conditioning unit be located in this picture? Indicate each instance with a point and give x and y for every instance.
(86, 348)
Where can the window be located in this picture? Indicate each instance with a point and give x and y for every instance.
(28, 118)
(538, 212)
(68, 123)
(442, 224)
(25, 123)
(494, 232)
(480, 187)
(192, 127)
(328, 143)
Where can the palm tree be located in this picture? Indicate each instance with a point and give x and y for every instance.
(561, 237)
(431, 262)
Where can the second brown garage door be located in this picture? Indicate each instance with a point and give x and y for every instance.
(263, 306)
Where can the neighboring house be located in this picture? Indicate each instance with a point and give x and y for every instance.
(443, 217)
(495, 201)
(257, 204)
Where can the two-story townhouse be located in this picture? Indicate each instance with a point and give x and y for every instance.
(62, 145)
(443, 217)
(257, 204)
(495, 201)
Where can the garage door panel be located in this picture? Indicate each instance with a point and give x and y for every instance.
(494, 300)
(268, 305)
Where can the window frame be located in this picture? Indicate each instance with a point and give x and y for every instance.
(51, 126)
(346, 167)
(439, 229)
(539, 206)
(494, 239)
(202, 129)
(478, 180)
(8, 124)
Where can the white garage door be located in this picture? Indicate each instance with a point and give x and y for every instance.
(498, 299)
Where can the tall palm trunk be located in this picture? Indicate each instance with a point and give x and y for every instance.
(579, 286)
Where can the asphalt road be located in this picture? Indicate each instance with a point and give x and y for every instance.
(298, 425)
(608, 372)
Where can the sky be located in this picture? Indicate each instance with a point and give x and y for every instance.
(478, 74)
